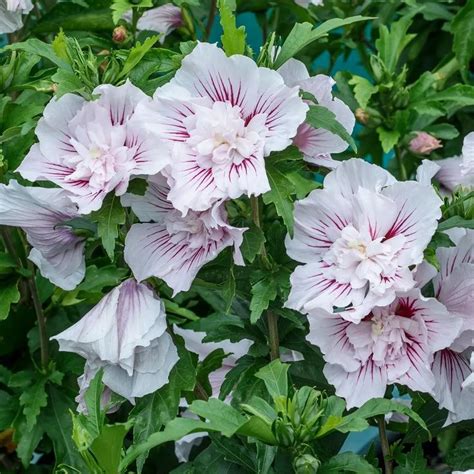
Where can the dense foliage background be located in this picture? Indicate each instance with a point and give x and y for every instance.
(403, 67)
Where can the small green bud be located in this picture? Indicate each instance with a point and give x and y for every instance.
(284, 433)
(306, 464)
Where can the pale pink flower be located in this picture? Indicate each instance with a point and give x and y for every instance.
(458, 171)
(423, 143)
(357, 239)
(125, 335)
(163, 19)
(317, 144)
(171, 246)
(393, 344)
(221, 116)
(11, 12)
(454, 287)
(93, 148)
(41, 213)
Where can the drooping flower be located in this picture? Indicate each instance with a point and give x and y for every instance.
(423, 143)
(357, 239)
(171, 246)
(163, 19)
(454, 287)
(41, 213)
(125, 335)
(93, 148)
(317, 144)
(221, 116)
(193, 340)
(458, 171)
(393, 344)
(11, 12)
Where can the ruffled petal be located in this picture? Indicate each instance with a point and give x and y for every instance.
(359, 386)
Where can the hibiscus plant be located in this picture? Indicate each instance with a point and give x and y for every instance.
(236, 236)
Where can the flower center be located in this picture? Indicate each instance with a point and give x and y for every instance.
(221, 137)
(195, 228)
(358, 259)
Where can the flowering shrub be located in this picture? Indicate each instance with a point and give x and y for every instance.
(206, 265)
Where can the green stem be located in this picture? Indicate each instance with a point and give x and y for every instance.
(210, 20)
(273, 338)
(401, 165)
(135, 18)
(257, 220)
(385, 445)
(445, 72)
(33, 290)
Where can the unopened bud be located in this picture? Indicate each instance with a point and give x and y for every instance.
(362, 116)
(306, 464)
(423, 143)
(120, 34)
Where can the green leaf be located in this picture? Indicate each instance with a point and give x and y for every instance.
(275, 377)
(303, 35)
(461, 457)
(376, 407)
(95, 415)
(363, 90)
(347, 462)
(28, 440)
(45, 50)
(136, 55)
(9, 295)
(320, 117)
(456, 221)
(222, 417)
(445, 131)
(8, 410)
(119, 7)
(413, 463)
(260, 408)
(388, 138)
(462, 27)
(233, 39)
(263, 292)
(280, 194)
(252, 243)
(235, 452)
(391, 44)
(57, 423)
(107, 448)
(33, 399)
(108, 218)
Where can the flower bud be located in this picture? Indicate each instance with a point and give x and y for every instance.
(283, 432)
(423, 143)
(306, 464)
(120, 34)
(362, 116)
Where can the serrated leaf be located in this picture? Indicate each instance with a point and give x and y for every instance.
(33, 399)
(280, 194)
(233, 39)
(461, 457)
(413, 462)
(456, 221)
(462, 27)
(388, 138)
(95, 415)
(136, 54)
(252, 243)
(60, 47)
(347, 462)
(120, 7)
(9, 295)
(275, 377)
(320, 117)
(263, 292)
(107, 448)
(108, 218)
(363, 90)
(303, 35)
